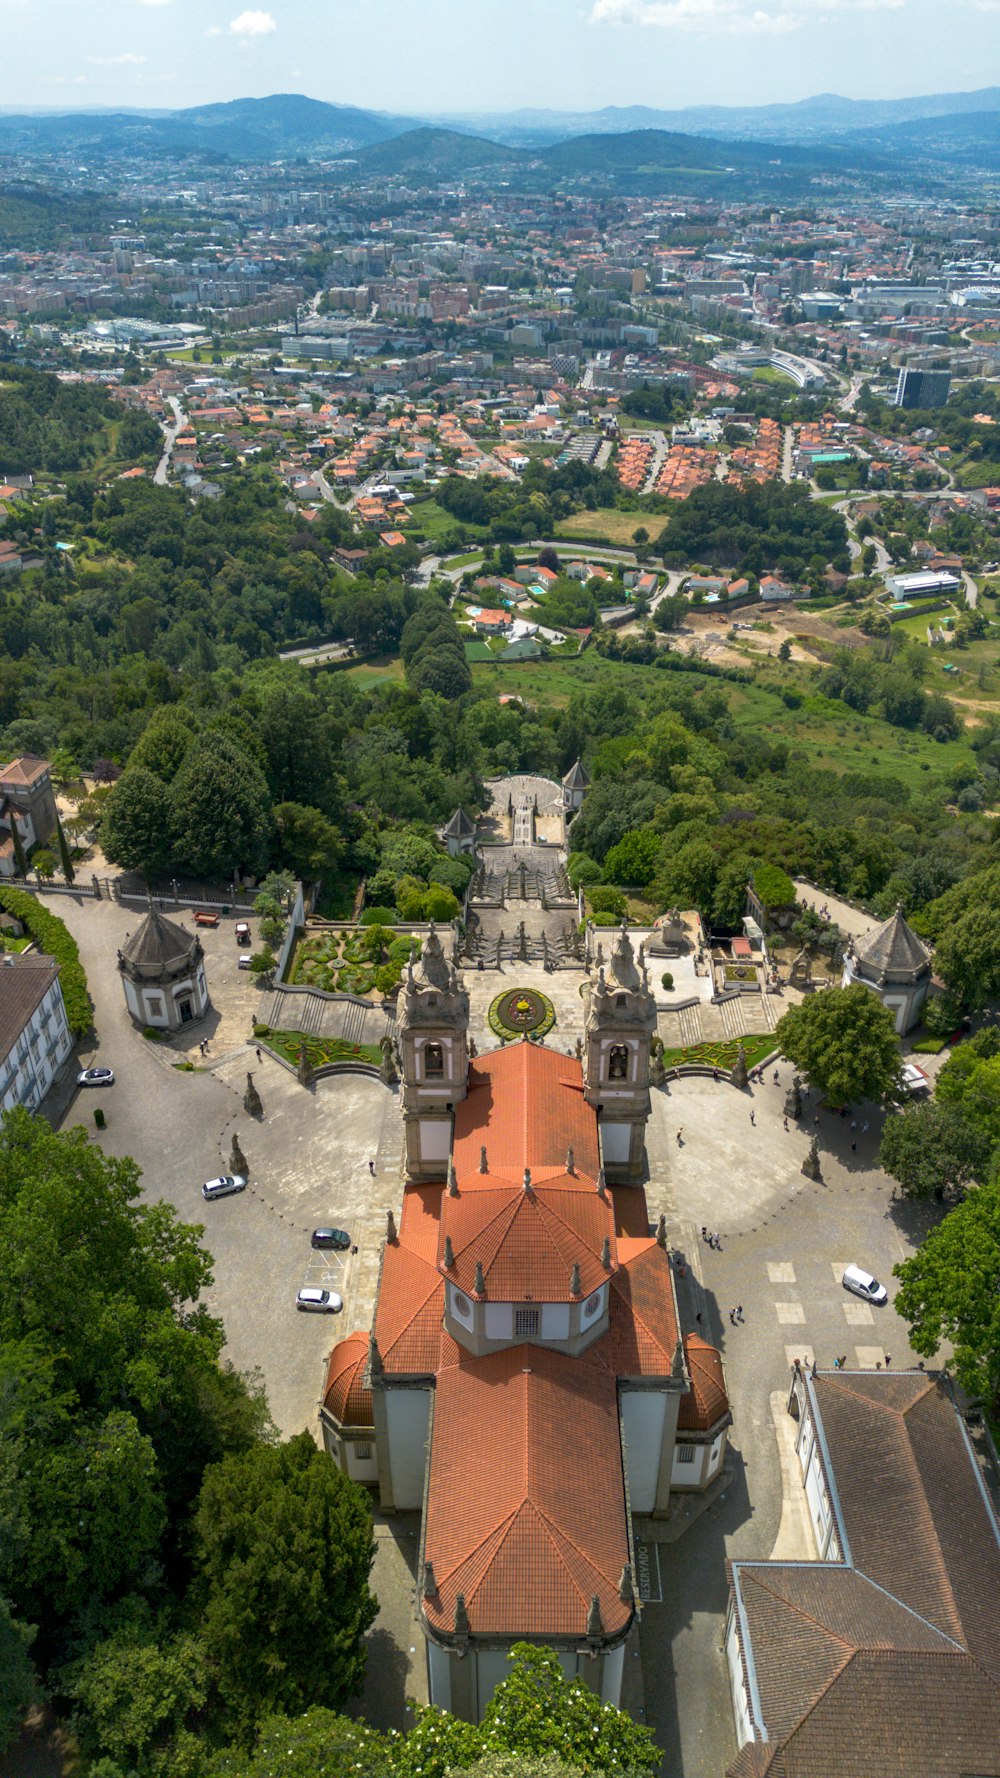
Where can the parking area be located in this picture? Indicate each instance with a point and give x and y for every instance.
(308, 1161)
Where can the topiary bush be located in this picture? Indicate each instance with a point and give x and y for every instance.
(54, 938)
(378, 917)
(604, 900)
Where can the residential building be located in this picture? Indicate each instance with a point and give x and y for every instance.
(26, 795)
(35, 1038)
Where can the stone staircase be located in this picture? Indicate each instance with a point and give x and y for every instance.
(319, 1015)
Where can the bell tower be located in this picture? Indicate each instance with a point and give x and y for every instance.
(618, 1022)
(433, 1028)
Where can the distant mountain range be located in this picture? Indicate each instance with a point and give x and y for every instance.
(637, 143)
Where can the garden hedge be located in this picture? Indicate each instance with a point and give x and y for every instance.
(53, 937)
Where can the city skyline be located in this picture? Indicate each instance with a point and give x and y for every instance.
(569, 55)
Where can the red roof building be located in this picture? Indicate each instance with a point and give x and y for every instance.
(526, 1377)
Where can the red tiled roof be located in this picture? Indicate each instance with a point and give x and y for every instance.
(706, 1402)
(642, 1338)
(347, 1398)
(26, 770)
(529, 1241)
(526, 1104)
(526, 1497)
(411, 1290)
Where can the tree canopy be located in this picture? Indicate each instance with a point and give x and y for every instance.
(844, 1041)
(950, 1292)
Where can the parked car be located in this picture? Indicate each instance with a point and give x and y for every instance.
(244, 960)
(319, 1302)
(242, 932)
(331, 1238)
(96, 1077)
(864, 1285)
(224, 1186)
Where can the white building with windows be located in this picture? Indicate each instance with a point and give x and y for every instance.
(35, 1038)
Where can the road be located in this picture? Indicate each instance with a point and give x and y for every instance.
(169, 439)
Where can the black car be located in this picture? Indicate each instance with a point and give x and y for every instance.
(331, 1238)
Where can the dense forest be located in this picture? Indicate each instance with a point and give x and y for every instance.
(761, 526)
(49, 425)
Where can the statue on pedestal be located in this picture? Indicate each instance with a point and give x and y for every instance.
(810, 1165)
(387, 1068)
(738, 1074)
(793, 1099)
(251, 1099)
(237, 1159)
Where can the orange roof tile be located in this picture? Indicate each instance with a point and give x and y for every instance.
(529, 1241)
(526, 1104)
(707, 1400)
(526, 1518)
(347, 1398)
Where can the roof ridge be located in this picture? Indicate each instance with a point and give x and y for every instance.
(556, 1533)
(808, 1616)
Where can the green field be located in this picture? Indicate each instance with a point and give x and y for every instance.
(837, 739)
(376, 672)
(436, 522)
(607, 522)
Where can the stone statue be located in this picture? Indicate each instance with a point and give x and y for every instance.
(657, 1072)
(251, 1099)
(793, 1099)
(304, 1070)
(237, 1159)
(800, 974)
(738, 1074)
(387, 1068)
(810, 1165)
(578, 1051)
(473, 1052)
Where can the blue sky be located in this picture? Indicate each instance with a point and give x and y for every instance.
(430, 56)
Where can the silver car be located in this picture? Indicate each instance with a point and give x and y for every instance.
(319, 1302)
(224, 1186)
(96, 1077)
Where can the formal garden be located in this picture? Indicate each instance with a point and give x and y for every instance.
(365, 960)
(321, 1052)
(720, 1054)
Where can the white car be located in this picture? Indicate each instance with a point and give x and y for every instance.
(319, 1302)
(864, 1285)
(96, 1077)
(224, 1186)
(244, 960)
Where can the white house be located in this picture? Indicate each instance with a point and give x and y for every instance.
(35, 1038)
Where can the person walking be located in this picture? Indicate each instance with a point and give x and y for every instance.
(888, 1360)
(371, 1168)
(732, 1317)
(864, 1128)
(680, 1134)
(739, 1311)
(753, 1118)
(786, 1123)
(259, 1056)
(776, 1078)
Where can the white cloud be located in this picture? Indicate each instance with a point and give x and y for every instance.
(253, 24)
(154, 2)
(129, 59)
(726, 16)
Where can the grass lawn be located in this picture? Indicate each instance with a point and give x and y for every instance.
(466, 561)
(436, 522)
(721, 1054)
(608, 522)
(376, 671)
(769, 373)
(478, 650)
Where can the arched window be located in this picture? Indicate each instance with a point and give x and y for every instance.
(434, 1061)
(618, 1062)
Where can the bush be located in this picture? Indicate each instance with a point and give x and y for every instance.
(666, 980)
(608, 901)
(582, 869)
(99, 1118)
(774, 886)
(378, 917)
(260, 1030)
(53, 937)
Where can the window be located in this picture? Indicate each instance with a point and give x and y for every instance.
(526, 1323)
(619, 1000)
(685, 1453)
(363, 1453)
(434, 1062)
(618, 1062)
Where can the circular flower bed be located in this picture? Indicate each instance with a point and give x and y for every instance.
(520, 1010)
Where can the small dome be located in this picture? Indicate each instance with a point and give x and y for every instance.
(347, 1399)
(707, 1401)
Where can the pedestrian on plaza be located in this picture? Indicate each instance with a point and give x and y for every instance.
(371, 1168)
(777, 1078)
(704, 1234)
(864, 1128)
(732, 1317)
(854, 1148)
(786, 1123)
(753, 1119)
(718, 1243)
(715, 1074)
(888, 1360)
(259, 1056)
(739, 1311)
(816, 1117)
(854, 1125)
(680, 1134)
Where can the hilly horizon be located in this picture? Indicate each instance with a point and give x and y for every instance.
(294, 124)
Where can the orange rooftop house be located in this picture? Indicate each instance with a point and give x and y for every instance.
(525, 1385)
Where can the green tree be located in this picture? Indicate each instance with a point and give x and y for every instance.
(844, 1041)
(950, 1291)
(164, 744)
(64, 768)
(785, 650)
(17, 1675)
(633, 861)
(135, 829)
(537, 1710)
(136, 1696)
(284, 1548)
(220, 810)
(319, 1742)
(65, 860)
(968, 956)
(933, 1147)
(774, 886)
(309, 842)
(43, 864)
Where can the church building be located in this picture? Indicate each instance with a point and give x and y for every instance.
(526, 1385)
